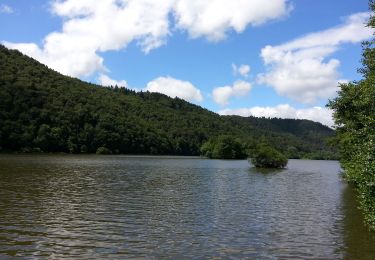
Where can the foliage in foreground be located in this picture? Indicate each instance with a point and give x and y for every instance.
(354, 113)
(267, 157)
(223, 147)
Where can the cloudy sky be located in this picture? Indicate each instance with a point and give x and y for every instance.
(275, 58)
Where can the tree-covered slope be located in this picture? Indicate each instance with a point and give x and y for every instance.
(42, 109)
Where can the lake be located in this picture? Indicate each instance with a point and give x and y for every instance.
(114, 207)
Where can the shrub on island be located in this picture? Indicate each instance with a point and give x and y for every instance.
(268, 157)
(103, 150)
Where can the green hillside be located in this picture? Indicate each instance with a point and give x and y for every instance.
(41, 109)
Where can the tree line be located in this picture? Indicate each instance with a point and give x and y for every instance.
(44, 111)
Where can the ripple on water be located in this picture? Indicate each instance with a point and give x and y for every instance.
(79, 207)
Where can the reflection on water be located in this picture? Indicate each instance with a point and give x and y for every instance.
(77, 207)
(358, 242)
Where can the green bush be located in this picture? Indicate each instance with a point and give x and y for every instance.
(268, 157)
(84, 149)
(103, 150)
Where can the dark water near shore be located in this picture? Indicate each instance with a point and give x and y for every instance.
(80, 207)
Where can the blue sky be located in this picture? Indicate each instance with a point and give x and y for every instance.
(274, 58)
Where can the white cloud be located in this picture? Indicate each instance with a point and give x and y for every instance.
(302, 70)
(70, 57)
(242, 70)
(104, 80)
(213, 18)
(221, 95)
(175, 88)
(6, 9)
(317, 114)
(91, 26)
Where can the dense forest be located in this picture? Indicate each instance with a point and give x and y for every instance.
(44, 111)
(354, 113)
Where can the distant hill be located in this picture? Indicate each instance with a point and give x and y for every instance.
(41, 109)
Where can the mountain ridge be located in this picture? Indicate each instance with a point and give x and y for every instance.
(40, 108)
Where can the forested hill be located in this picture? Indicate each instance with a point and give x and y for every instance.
(41, 109)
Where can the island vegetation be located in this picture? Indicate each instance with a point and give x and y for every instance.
(354, 113)
(103, 150)
(44, 111)
(262, 155)
(267, 157)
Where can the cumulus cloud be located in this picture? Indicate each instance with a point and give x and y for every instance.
(221, 95)
(317, 114)
(104, 80)
(6, 9)
(242, 70)
(175, 88)
(91, 26)
(302, 70)
(213, 18)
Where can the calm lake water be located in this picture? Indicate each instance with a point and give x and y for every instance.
(80, 207)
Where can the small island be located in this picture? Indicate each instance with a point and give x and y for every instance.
(268, 157)
(227, 147)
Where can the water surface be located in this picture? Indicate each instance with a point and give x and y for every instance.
(80, 207)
